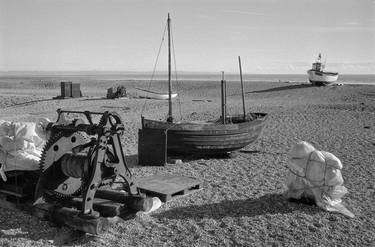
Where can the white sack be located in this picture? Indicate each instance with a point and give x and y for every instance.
(331, 160)
(316, 175)
(19, 160)
(299, 154)
(301, 150)
(21, 145)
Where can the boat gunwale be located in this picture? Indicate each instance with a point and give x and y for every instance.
(207, 127)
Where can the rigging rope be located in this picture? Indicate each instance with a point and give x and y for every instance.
(175, 71)
(156, 62)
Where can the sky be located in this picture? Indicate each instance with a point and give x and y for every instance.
(271, 36)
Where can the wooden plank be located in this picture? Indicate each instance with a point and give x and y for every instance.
(12, 193)
(167, 187)
(71, 217)
(106, 208)
(136, 203)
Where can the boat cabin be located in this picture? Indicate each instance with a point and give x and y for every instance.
(317, 66)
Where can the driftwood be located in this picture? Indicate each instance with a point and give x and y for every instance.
(132, 202)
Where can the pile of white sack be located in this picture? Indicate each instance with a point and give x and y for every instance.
(316, 175)
(21, 145)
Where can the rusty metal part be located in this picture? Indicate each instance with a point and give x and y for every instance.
(84, 156)
(52, 175)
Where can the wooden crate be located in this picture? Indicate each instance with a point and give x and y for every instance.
(152, 147)
(76, 90)
(66, 89)
(110, 93)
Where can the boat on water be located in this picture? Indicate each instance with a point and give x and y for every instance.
(226, 134)
(319, 77)
(148, 94)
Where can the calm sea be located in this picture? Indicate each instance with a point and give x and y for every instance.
(94, 75)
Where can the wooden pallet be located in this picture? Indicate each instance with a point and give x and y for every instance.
(168, 187)
(20, 185)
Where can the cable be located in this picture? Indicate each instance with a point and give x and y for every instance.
(156, 62)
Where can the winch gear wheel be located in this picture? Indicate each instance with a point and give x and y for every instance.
(52, 178)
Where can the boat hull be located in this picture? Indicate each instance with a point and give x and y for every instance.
(209, 138)
(321, 78)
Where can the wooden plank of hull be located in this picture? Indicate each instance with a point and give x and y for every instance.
(213, 145)
(207, 138)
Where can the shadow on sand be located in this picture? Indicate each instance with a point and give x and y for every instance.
(194, 157)
(102, 98)
(91, 99)
(267, 204)
(30, 102)
(282, 88)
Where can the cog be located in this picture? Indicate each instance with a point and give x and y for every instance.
(52, 178)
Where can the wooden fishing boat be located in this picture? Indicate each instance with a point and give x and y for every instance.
(319, 77)
(148, 94)
(226, 134)
(209, 138)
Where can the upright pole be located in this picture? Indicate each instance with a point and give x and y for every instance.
(170, 117)
(243, 94)
(223, 99)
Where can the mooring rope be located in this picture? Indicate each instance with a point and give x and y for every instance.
(314, 181)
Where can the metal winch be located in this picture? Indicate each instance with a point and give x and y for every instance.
(81, 156)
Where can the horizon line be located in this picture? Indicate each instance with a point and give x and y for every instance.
(145, 71)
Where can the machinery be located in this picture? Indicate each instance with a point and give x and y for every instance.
(84, 181)
(80, 157)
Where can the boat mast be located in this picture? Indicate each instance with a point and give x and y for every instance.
(170, 117)
(243, 95)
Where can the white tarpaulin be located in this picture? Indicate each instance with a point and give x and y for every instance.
(316, 175)
(21, 145)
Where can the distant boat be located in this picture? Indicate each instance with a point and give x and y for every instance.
(319, 77)
(226, 134)
(143, 93)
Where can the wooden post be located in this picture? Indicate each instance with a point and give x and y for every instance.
(223, 99)
(243, 95)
